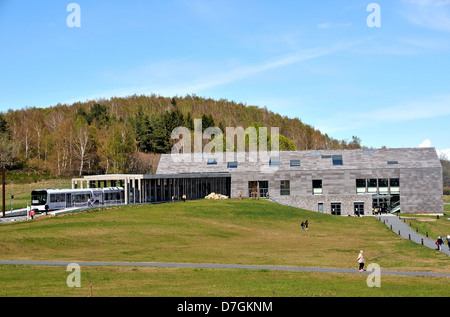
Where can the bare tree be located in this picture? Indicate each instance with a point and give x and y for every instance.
(81, 142)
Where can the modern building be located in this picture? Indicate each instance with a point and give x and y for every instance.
(339, 182)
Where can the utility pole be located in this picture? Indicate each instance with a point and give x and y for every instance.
(3, 183)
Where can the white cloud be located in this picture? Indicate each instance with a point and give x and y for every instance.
(426, 143)
(441, 153)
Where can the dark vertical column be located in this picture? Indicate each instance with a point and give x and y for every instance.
(3, 189)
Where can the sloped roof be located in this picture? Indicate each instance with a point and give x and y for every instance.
(309, 160)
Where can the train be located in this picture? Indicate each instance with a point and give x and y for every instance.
(57, 199)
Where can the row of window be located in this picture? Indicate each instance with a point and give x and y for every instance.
(61, 198)
(363, 186)
(378, 185)
(275, 161)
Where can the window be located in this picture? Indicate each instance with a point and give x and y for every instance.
(360, 186)
(317, 187)
(326, 156)
(336, 209)
(285, 188)
(57, 198)
(263, 188)
(212, 161)
(337, 160)
(316, 153)
(395, 185)
(383, 186)
(232, 164)
(359, 209)
(274, 161)
(295, 163)
(372, 186)
(392, 162)
(38, 197)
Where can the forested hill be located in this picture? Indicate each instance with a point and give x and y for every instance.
(125, 135)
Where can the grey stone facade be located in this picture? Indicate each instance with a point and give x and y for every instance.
(418, 171)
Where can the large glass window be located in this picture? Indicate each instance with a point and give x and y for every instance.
(336, 209)
(317, 187)
(360, 186)
(383, 186)
(395, 185)
(372, 186)
(57, 198)
(38, 197)
(285, 187)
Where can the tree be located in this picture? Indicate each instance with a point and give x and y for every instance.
(207, 121)
(120, 147)
(7, 150)
(3, 124)
(82, 141)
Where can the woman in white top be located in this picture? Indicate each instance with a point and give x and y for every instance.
(361, 261)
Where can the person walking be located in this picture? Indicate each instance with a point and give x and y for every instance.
(184, 197)
(361, 261)
(303, 225)
(448, 241)
(306, 224)
(46, 209)
(439, 243)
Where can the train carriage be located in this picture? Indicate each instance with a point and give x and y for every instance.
(65, 198)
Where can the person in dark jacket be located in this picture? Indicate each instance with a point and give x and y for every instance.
(46, 209)
(439, 242)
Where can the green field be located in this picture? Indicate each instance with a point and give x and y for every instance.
(431, 225)
(223, 232)
(22, 192)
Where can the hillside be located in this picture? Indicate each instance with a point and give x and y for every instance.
(126, 135)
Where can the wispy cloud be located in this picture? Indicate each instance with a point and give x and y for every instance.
(328, 25)
(436, 106)
(189, 85)
(433, 14)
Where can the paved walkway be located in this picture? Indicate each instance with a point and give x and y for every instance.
(406, 232)
(222, 266)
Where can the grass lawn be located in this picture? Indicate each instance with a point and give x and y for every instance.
(223, 232)
(22, 192)
(446, 198)
(430, 224)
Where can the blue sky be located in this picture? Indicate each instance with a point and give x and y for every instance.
(315, 60)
